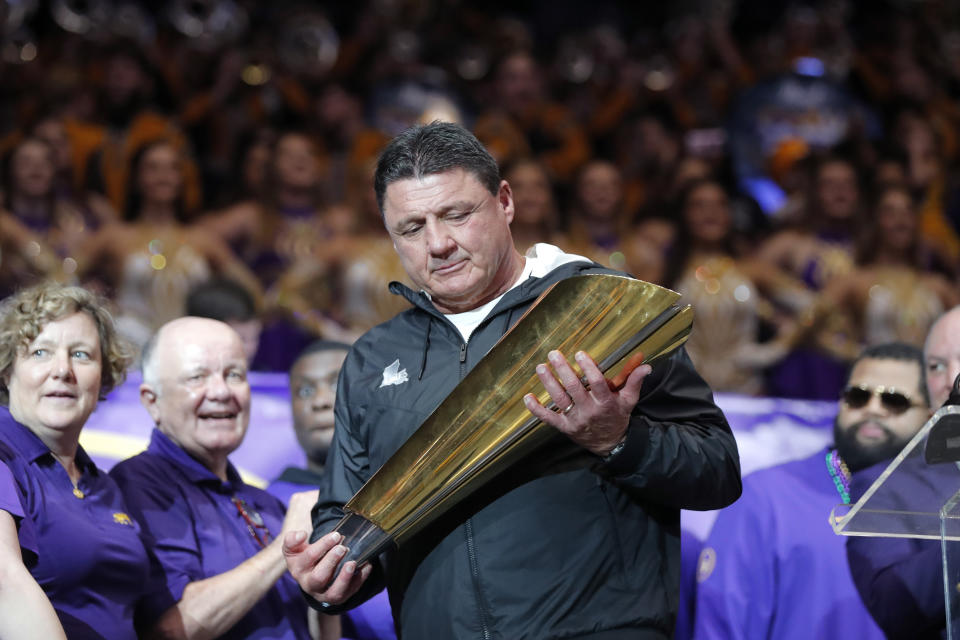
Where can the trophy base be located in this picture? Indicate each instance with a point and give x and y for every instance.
(363, 539)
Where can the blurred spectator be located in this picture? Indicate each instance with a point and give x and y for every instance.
(600, 226)
(52, 129)
(536, 218)
(30, 194)
(524, 121)
(150, 261)
(313, 387)
(248, 176)
(271, 341)
(817, 250)
(891, 295)
(648, 152)
(730, 293)
(339, 289)
(932, 183)
(245, 90)
(25, 259)
(228, 302)
(105, 151)
(287, 220)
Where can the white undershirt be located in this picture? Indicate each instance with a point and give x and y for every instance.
(541, 259)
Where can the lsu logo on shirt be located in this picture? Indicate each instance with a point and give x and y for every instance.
(120, 517)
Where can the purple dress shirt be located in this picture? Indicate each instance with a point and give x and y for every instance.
(194, 528)
(90, 560)
(772, 566)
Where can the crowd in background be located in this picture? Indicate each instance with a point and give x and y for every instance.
(790, 168)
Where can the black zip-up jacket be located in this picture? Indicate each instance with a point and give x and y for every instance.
(553, 549)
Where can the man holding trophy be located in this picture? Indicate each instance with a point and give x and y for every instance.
(577, 538)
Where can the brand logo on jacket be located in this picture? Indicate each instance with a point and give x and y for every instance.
(393, 374)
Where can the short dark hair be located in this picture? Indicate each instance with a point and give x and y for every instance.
(317, 346)
(437, 147)
(221, 299)
(897, 351)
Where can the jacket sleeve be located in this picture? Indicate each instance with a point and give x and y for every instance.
(679, 450)
(346, 470)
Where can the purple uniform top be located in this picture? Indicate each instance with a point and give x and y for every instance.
(372, 620)
(772, 566)
(195, 530)
(90, 560)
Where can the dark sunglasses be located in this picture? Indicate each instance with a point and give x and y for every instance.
(255, 524)
(891, 399)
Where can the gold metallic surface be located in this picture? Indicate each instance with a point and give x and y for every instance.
(483, 425)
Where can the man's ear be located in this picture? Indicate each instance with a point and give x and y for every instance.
(505, 199)
(148, 398)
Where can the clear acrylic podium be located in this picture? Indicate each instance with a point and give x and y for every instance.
(916, 499)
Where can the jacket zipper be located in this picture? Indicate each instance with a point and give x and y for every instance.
(468, 526)
(475, 571)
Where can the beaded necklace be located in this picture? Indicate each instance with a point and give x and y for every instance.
(840, 474)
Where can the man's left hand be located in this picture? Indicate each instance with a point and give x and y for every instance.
(594, 418)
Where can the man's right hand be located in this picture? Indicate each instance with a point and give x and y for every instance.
(313, 567)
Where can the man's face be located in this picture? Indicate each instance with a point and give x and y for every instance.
(874, 432)
(941, 355)
(200, 396)
(313, 387)
(453, 237)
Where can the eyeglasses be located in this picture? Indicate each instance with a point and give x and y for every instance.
(254, 522)
(891, 399)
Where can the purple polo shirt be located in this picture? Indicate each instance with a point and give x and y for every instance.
(90, 560)
(194, 529)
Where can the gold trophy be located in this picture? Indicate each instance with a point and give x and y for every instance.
(482, 427)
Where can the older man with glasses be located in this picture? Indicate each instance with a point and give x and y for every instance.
(772, 567)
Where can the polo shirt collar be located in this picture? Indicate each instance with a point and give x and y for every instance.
(195, 471)
(32, 448)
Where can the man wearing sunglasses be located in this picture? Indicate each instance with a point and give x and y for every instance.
(772, 566)
(901, 579)
(216, 539)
